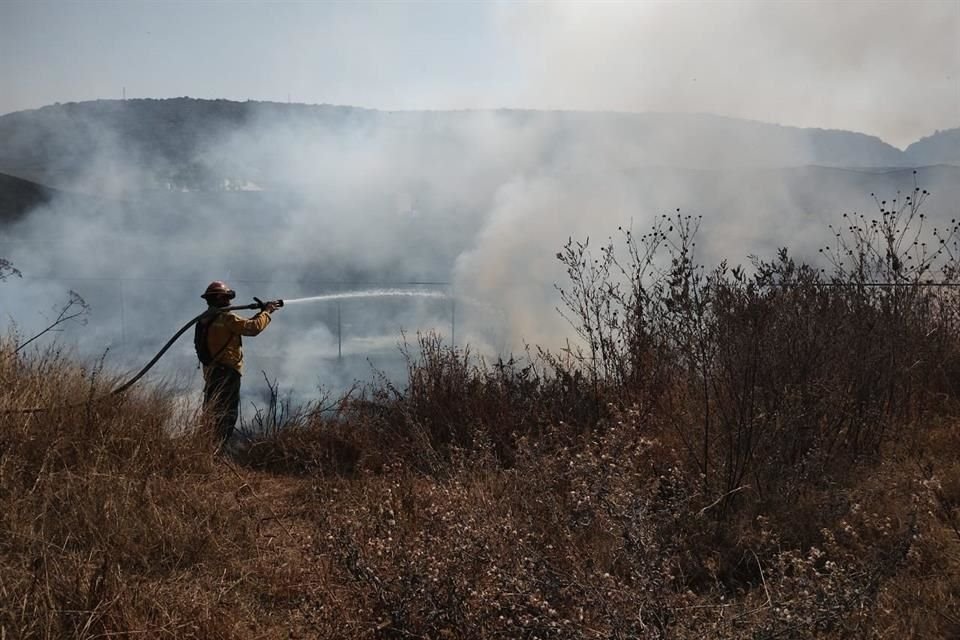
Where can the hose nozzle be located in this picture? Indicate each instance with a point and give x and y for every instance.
(260, 304)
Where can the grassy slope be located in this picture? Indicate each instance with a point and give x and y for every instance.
(111, 525)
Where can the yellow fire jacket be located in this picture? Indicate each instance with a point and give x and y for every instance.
(224, 338)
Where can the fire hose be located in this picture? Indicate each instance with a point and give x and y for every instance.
(258, 304)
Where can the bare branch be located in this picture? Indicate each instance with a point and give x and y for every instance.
(75, 307)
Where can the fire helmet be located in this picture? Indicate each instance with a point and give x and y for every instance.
(219, 287)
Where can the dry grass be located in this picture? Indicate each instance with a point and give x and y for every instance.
(113, 526)
(731, 459)
(108, 522)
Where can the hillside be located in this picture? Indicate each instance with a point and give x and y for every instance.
(783, 464)
(18, 197)
(168, 141)
(943, 147)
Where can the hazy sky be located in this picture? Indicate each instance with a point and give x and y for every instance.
(890, 69)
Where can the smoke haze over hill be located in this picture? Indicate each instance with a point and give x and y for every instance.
(179, 143)
(287, 200)
(163, 196)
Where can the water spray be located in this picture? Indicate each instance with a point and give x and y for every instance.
(369, 293)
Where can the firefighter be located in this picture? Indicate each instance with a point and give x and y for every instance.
(218, 340)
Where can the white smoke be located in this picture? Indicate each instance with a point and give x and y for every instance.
(479, 200)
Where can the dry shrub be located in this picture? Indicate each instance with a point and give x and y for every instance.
(316, 446)
(484, 552)
(778, 378)
(607, 539)
(454, 404)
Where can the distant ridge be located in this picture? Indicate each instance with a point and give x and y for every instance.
(943, 147)
(168, 141)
